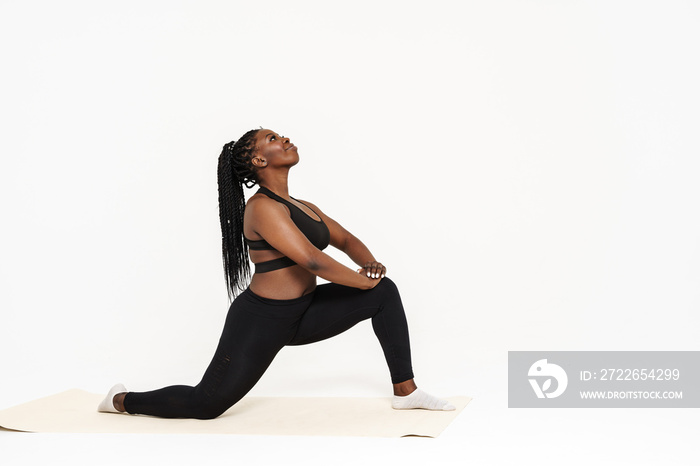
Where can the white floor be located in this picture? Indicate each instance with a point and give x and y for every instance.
(487, 432)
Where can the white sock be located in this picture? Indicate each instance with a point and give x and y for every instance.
(107, 405)
(421, 400)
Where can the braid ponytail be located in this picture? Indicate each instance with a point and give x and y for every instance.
(234, 170)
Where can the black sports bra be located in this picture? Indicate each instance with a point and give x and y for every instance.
(315, 230)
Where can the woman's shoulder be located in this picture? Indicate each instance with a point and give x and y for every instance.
(260, 204)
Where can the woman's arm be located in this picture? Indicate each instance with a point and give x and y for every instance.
(273, 223)
(345, 241)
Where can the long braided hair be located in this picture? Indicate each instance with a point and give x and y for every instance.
(235, 169)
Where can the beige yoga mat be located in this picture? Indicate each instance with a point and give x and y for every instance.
(75, 411)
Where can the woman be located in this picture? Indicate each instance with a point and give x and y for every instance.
(282, 304)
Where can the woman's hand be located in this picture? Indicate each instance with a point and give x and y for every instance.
(373, 269)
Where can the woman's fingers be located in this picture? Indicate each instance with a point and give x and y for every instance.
(375, 269)
(368, 268)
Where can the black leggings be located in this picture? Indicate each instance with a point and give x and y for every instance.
(257, 328)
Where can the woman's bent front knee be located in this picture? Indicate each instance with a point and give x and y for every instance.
(387, 286)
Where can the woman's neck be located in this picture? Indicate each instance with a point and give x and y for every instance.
(277, 183)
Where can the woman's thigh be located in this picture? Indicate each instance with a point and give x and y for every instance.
(253, 334)
(336, 308)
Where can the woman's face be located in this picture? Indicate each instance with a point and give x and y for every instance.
(274, 150)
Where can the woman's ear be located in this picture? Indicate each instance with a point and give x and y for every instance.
(258, 162)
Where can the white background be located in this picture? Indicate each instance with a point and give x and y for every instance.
(526, 169)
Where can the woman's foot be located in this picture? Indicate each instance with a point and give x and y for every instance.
(113, 402)
(418, 399)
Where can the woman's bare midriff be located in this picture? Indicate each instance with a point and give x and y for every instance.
(287, 283)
